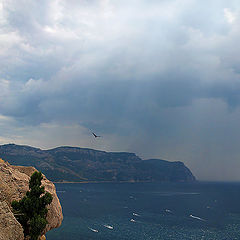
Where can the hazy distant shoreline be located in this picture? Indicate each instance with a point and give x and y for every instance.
(105, 182)
(119, 182)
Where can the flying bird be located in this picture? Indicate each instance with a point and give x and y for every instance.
(96, 136)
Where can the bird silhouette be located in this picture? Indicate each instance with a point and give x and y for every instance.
(96, 136)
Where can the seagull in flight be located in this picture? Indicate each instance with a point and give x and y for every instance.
(96, 136)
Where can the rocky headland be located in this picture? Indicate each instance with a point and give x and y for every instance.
(75, 164)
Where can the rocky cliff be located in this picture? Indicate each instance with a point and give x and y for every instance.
(13, 186)
(82, 164)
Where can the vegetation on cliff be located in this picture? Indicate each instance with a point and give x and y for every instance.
(31, 210)
(82, 164)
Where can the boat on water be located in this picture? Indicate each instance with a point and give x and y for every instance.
(108, 226)
(94, 230)
(195, 217)
(135, 214)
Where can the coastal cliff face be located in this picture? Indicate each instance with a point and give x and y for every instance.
(74, 164)
(13, 186)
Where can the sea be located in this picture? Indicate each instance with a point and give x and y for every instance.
(148, 211)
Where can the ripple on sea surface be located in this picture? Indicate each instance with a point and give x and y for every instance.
(100, 204)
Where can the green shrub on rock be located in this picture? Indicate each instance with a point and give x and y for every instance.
(31, 210)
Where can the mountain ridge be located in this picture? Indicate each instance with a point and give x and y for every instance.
(76, 164)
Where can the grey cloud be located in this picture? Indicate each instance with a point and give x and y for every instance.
(144, 73)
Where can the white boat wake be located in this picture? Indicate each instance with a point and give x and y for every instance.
(195, 217)
(94, 230)
(135, 214)
(108, 226)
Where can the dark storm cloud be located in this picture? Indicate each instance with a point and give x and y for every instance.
(160, 78)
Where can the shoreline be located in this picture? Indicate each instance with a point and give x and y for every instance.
(130, 181)
(105, 182)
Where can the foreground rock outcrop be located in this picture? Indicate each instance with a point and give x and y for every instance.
(13, 186)
(10, 228)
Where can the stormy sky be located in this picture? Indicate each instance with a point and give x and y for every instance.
(160, 78)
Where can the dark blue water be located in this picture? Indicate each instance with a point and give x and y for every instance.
(158, 211)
